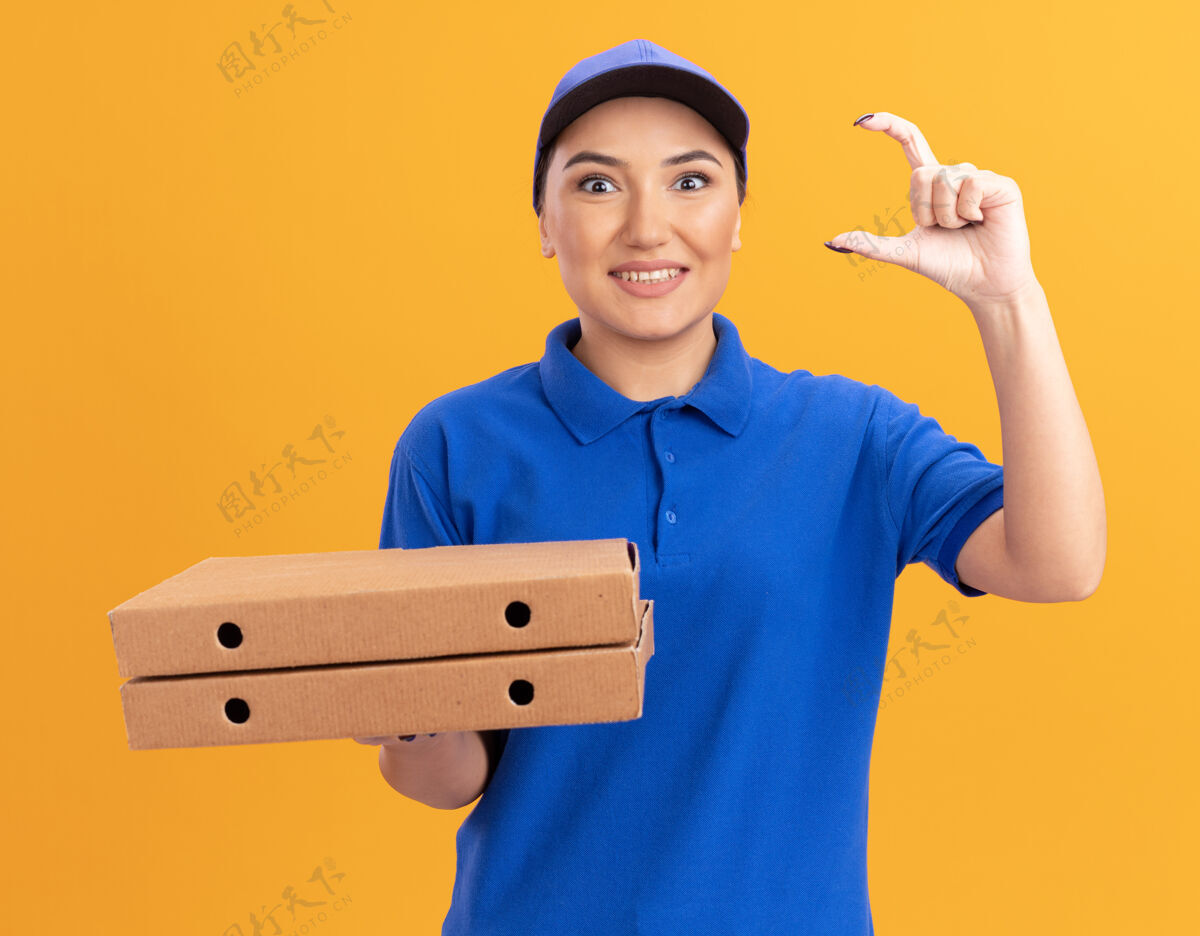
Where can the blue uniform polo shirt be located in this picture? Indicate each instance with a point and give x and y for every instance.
(772, 512)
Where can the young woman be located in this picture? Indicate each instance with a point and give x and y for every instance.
(773, 512)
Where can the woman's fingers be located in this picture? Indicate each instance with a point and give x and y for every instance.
(945, 196)
(376, 740)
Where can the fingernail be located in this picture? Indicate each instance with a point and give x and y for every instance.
(861, 119)
(406, 737)
(838, 249)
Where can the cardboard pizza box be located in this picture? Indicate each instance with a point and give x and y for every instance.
(463, 693)
(238, 650)
(260, 612)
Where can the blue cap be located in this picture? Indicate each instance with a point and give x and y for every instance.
(641, 68)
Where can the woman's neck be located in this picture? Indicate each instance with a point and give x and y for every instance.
(642, 369)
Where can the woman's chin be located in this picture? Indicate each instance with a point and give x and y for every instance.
(647, 323)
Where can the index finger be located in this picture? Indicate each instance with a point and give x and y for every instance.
(916, 149)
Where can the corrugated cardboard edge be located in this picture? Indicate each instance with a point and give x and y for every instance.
(112, 611)
(644, 649)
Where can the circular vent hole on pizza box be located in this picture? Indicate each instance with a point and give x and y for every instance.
(229, 635)
(237, 711)
(517, 613)
(521, 691)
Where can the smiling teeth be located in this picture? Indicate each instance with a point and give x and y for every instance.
(653, 276)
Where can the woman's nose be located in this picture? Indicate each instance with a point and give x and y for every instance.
(648, 222)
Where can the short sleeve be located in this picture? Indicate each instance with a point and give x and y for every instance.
(938, 490)
(414, 513)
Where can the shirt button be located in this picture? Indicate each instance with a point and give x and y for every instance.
(670, 516)
(670, 456)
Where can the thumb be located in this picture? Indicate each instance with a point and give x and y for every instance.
(897, 250)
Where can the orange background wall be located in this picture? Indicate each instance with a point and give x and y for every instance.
(194, 278)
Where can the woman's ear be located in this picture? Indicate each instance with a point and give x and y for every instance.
(544, 234)
(737, 240)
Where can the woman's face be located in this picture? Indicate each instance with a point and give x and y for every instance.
(600, 213)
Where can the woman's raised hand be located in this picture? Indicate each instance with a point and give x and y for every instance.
(970, 237)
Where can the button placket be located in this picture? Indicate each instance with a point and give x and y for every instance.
(666, 505)
(665, 521)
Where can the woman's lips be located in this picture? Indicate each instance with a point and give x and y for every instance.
(649, 290)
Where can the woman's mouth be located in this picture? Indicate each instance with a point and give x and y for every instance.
(650, 284)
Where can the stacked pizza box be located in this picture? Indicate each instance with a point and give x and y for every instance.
(360, 643)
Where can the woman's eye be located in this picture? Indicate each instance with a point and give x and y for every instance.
(591, 181)
(695, 175)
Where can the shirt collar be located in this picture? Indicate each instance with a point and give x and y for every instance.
(589, 407)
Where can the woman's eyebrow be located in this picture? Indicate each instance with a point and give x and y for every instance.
(589, 156)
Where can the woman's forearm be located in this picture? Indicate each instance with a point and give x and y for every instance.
(1054, 516)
